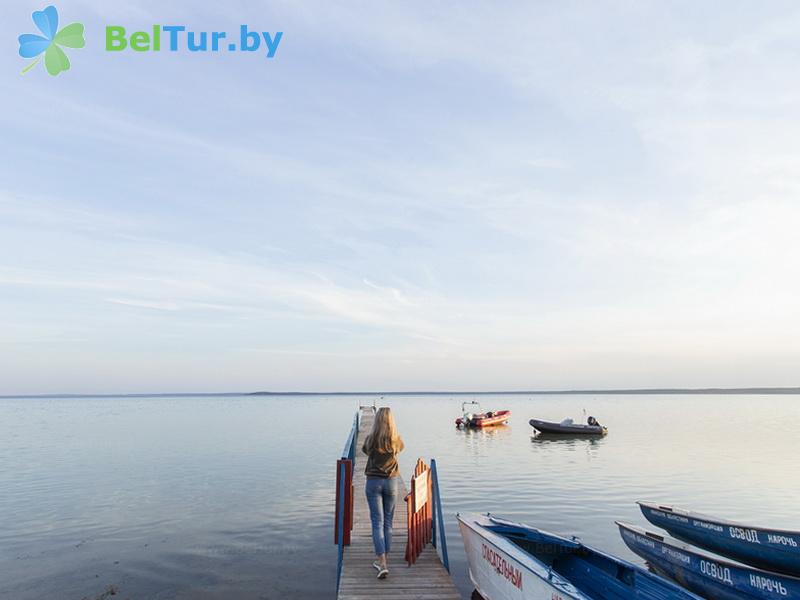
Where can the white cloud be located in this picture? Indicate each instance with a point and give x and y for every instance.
(546, 163)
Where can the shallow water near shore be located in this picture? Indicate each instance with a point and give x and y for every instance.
(232, 497)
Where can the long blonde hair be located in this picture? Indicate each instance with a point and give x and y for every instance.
(384, 437)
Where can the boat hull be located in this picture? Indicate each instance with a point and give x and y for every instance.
(705, 575)
(499, 417)
(574, 429)
(769, 549)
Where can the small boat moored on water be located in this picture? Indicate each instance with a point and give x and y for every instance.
(481, 419)
(706, 575)
(513, 561)
(769, 549)
(569, 427)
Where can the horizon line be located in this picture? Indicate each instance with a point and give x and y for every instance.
(631, 391)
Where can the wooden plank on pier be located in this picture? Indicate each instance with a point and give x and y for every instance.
(427, 579)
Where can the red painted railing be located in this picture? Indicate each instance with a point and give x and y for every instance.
(419, 505)
(343, 523)
(344, 500)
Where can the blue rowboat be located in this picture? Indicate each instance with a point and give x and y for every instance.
(769, 549)
(708, 576)
(511, 561)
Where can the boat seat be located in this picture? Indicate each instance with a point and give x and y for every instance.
(598, 582)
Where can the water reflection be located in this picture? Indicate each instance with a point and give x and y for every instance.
(559, 445)
(485, 442)
(568, 439)
(498, 432)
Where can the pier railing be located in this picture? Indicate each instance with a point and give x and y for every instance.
(424, 510)
(343, 524)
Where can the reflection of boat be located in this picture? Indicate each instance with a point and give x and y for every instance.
(706, 575)
(567, 426)
(481, 419)
(770, 549)
(510, 560)
(567, 438)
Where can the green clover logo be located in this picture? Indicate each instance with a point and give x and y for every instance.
(50, 42)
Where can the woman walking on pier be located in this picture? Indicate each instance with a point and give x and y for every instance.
(382, 446)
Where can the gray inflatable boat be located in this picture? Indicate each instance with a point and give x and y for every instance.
(568, 426)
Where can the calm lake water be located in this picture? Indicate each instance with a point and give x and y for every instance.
(232, 497)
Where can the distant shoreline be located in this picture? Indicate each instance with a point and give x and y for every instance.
(643, 392)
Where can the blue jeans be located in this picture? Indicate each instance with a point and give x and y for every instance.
(381, 497)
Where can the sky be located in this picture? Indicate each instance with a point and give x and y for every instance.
(408, 196)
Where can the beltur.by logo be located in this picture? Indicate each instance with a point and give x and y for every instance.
(172, 38)
(176, 37)
(32, 45)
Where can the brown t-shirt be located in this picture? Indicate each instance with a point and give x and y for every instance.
(381, 464)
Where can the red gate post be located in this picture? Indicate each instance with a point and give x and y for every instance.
(419, 511)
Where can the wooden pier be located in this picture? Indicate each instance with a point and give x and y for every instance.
(426, 579)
